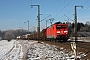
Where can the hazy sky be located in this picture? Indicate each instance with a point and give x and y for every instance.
(13, 13)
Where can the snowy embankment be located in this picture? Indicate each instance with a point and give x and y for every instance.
(10, 50)
(42, 51)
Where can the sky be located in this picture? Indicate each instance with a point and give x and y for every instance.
(13, 13)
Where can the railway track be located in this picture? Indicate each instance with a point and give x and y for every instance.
(37, 50)
(81, 46)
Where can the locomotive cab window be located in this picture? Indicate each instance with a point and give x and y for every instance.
(59, 27)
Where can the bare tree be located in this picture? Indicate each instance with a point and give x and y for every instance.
(9, 35)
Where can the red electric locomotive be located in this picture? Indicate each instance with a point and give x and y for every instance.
(57, 31)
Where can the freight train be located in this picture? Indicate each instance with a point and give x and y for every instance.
(57, 31)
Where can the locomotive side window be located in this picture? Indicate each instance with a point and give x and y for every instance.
(59, 27)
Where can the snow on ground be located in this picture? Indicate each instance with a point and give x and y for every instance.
(10, 50)
(42, 51)
(5, 47)
(37, 51)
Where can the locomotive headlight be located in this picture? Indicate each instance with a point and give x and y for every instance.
(58, 31)
(65, 31)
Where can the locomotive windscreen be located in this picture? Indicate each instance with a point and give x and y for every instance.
(59, 27)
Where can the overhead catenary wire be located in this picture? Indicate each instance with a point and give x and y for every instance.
(57, 9)
(60, 10)
(85, 2)
(59, 6)
(80, 9)
(29, 14)
(68, 18)
(85, 8)
(54, 11)
(63, 8)
(46, 17)
(31, 2)
(30, 11)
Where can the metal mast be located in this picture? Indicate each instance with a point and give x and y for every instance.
(75, 19)
(28, 27)
(38, 21)
(75, 31)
